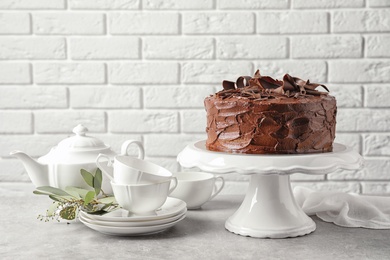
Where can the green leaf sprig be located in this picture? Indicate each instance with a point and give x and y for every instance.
(67, 203)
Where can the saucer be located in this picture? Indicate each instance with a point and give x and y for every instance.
(131, 231)
(86, 218)
(170, 208)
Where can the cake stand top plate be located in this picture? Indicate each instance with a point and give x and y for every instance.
(342, 157)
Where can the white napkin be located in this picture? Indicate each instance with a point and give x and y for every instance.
(345, 209)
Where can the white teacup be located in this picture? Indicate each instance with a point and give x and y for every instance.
(196, 188)
(130, 170)
(107, 168)
(143, 199)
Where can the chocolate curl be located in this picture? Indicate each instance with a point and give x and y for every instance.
(265, 82)
(294, 84)
(228, 85)
(269, 83)
(315, 92)
(289, 86)
(243, 81)
(313, 86)
(275, 86)
(289, 83)
(301, 86)
(254, 82)
(257, 74)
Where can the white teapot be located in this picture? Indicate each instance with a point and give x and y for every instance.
(61, 166)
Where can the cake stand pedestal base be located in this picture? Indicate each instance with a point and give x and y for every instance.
(269, 210)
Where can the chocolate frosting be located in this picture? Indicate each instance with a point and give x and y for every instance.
(262, 115)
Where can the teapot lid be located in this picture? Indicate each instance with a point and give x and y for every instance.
(81, 142)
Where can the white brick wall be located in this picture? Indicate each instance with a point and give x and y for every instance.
(69, 73)
(103, 48)
(20, 23)
(68, 23)
(143, 23)
(37, 48)
(292, 22)
(141, 69)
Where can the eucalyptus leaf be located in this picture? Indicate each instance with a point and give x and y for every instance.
(52, 209)
(107, 200)
(81, 192)
(73, 193)
(97, 181)
(60, 198)
(37, 192)
(53, 190)
(68, 213)
(88, 177)
(89, 197)
(67, 202)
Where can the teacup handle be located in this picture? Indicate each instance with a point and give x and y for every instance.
(217, 190)
(126, 144)
(106, 168)
(171, 189)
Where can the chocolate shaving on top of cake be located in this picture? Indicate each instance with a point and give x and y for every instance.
(265, 87)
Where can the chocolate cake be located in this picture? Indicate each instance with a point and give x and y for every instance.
(261, 115)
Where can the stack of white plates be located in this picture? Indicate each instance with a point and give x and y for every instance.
(121, 223)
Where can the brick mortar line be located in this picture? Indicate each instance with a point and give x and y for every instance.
(186, 133)
(178, 61)
(329, 21)
(200, 83)
(166, 109)
(157, 133)
(361, 132)
(366, 108)
(215, 4)
(233, 181)
(361, 145)
(193, 35)
(109, 61)
(364, 96)
(200, 10)
(160, 133)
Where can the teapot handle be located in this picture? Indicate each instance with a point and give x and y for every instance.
(105, 167)
(126, 144)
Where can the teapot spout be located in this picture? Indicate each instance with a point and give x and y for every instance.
(38, 173)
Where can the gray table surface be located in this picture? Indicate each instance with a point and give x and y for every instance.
(200, 235)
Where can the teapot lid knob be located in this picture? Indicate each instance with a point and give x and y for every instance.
(80, 130)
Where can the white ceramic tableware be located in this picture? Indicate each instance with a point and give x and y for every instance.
(143, 199)
(197, 155)
(61, 166)
(132, 223)
(131, 231)
(171, 207)
(130, 170)
(269, 209)
(196, 188)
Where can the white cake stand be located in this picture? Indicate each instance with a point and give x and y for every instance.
(269, 209)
